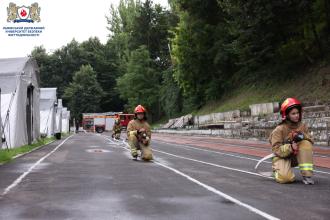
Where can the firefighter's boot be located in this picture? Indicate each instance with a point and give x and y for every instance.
(305, 158)
(308, 180)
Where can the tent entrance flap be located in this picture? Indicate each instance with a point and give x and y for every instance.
(29, 115)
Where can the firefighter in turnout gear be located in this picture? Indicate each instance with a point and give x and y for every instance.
(292, 145)
(116, 130)
(139, 134)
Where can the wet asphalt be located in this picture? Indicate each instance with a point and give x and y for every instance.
(92, 177)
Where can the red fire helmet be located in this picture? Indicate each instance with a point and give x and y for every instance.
(289, 104)
(139, 109)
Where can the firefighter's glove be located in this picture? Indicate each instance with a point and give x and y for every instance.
(284, 151)
(133, 133)
(298, 136)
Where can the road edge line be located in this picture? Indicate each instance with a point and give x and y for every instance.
(22, 176)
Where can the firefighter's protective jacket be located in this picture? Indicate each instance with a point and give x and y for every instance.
(135, 125)
(280, 138)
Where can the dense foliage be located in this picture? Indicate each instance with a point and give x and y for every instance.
(175, 60)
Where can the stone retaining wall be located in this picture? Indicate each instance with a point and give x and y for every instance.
(238, 124)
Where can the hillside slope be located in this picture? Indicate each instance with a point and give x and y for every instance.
(313, 86)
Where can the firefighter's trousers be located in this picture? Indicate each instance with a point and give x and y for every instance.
(135, 145)
(282, 168)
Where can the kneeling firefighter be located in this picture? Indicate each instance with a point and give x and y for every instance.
(116, 130)
(292, 145)
(139, 134)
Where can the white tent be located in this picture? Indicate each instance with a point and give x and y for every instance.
(65, 120)
(47, 111)
(58, 119)
(0, 123)
(19, 83)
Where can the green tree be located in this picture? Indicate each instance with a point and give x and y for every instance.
(84, 93)
(216, 47)
(140, 83)
(198, 51)
(142, 28)
(220, 45)
(277, 34)
(170, 95)
(48, 66)
(103, 60)
(57, 69)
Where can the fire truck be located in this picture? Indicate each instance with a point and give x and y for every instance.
(100, 122)
(125, 119)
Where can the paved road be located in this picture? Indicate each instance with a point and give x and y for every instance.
(92, 177)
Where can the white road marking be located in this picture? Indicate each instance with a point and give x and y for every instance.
(21, 177)
(213, 164)
(114, 143)
(319, 171)
(216, 152)
(215, 191)
(231, 155)
(221, 194)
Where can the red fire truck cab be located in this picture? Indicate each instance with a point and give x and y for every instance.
(125, 119)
